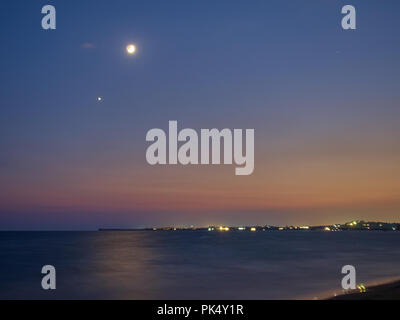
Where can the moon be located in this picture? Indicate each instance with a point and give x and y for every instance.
(130, 49)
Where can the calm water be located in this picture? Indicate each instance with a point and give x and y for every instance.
(192, 265)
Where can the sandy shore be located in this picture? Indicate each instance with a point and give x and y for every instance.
(387, 291)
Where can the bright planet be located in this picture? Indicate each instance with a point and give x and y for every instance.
(130, 49)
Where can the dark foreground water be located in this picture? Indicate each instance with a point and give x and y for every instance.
(192, 265)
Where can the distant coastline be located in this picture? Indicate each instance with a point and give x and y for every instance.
(355, 225)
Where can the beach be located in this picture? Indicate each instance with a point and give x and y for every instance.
(385, 291)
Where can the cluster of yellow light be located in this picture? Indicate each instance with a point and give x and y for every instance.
(241, 228)
(305, 227)
(253, 229)
(281, 228)
(362, 288)
(223, 228)
(327, 229)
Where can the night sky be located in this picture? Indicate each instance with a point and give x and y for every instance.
(324, 103)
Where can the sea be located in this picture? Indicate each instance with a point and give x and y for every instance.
(194, 264)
